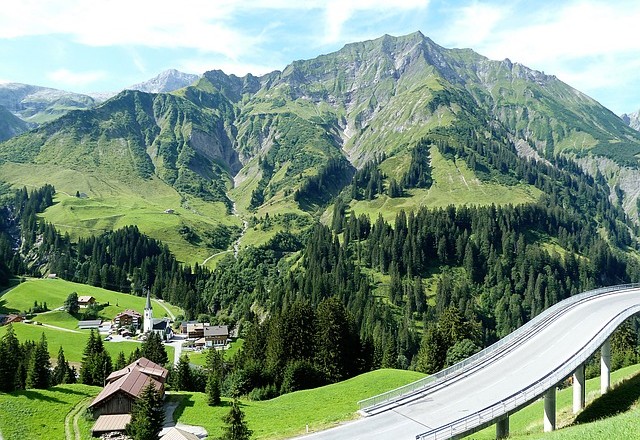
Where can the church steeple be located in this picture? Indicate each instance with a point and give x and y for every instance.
(148, 315)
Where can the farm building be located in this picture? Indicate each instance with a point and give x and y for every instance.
(9, 319)
(91, 323)
(125, 386)
(110, 423)
(85, 301)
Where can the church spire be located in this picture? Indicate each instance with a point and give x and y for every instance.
(147, 325)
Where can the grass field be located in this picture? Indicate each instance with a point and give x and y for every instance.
(453, 184)
(112, 204)
(527, 423)
(55, 292)
(72, 343)
(200, 358)
(288, 415)
(40, 414)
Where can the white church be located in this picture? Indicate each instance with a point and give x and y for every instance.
(160, 326)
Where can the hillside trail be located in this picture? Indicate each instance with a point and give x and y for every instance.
(236, 244)
(161, 304)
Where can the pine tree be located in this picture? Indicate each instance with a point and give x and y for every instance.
(236, 427)
(71, 303)
(121, 362)
(213, 389)
(62, 372)
(153, 349)
(38, 375)
(183, 378)
(147, 415)
(9, 360)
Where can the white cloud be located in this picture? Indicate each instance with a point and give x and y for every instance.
(338, 13)
(68, 78)
(201, 65)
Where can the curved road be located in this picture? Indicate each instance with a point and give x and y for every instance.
(555, 346)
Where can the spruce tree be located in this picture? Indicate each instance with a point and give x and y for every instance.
(121, 362)
(38, 374)
(236, 427)
(147, 415)
(153, 349)
(213, 389)
(62, 372)
(10, 361)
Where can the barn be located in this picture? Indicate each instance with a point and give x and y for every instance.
(125, 386)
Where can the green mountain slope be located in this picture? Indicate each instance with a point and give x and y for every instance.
(287, 142)
(10, 125)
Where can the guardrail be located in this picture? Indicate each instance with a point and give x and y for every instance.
(470, 423)
(422, 385)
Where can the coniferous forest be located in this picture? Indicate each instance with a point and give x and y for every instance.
(336, 301)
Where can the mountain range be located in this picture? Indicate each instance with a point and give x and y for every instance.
(285, 143)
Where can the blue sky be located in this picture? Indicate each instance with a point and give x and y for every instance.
(106, 45)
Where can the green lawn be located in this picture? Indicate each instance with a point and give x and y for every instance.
(288, 415)
(527, 423)
(72, 343)
(112, 204)
(40, 414)
(453, 184)
(55, 292)
(199, 358)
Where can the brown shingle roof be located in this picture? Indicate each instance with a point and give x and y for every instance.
(132, 379)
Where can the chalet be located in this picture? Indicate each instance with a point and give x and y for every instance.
(10, 319)
(128, 318)
(216, 335)
(124, 387)
(184, 326)
(85, 301)
(196, 330)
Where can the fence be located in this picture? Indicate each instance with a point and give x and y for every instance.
(393, 397)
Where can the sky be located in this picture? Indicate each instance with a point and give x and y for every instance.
(105, 45)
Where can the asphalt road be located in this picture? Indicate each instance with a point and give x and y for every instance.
(551, 348)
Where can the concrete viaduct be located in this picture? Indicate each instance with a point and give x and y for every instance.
(498, 381)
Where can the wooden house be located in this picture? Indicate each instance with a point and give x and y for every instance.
(125, 386)
(128, 318)
(85, 301)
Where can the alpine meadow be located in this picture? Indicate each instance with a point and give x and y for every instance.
(393, 205)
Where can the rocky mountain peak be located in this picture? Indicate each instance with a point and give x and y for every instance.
(165, 82)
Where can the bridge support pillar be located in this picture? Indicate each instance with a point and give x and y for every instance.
(550, 409)
(605, 366)
(578, 389)
(502, 428)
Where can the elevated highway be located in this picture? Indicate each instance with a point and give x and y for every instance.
(485, 389)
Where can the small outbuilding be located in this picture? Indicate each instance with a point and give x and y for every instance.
(178, 434)
(91, 323)
(107, 424)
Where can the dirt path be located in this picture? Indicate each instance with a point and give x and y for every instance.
(71, 429)
(161, 304)
(60, 328)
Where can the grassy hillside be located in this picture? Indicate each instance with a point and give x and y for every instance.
(527, 423)
(73, 342)
(453, 184)
(54, 293)
(112, 204)
(288, 415)
(41, 414)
